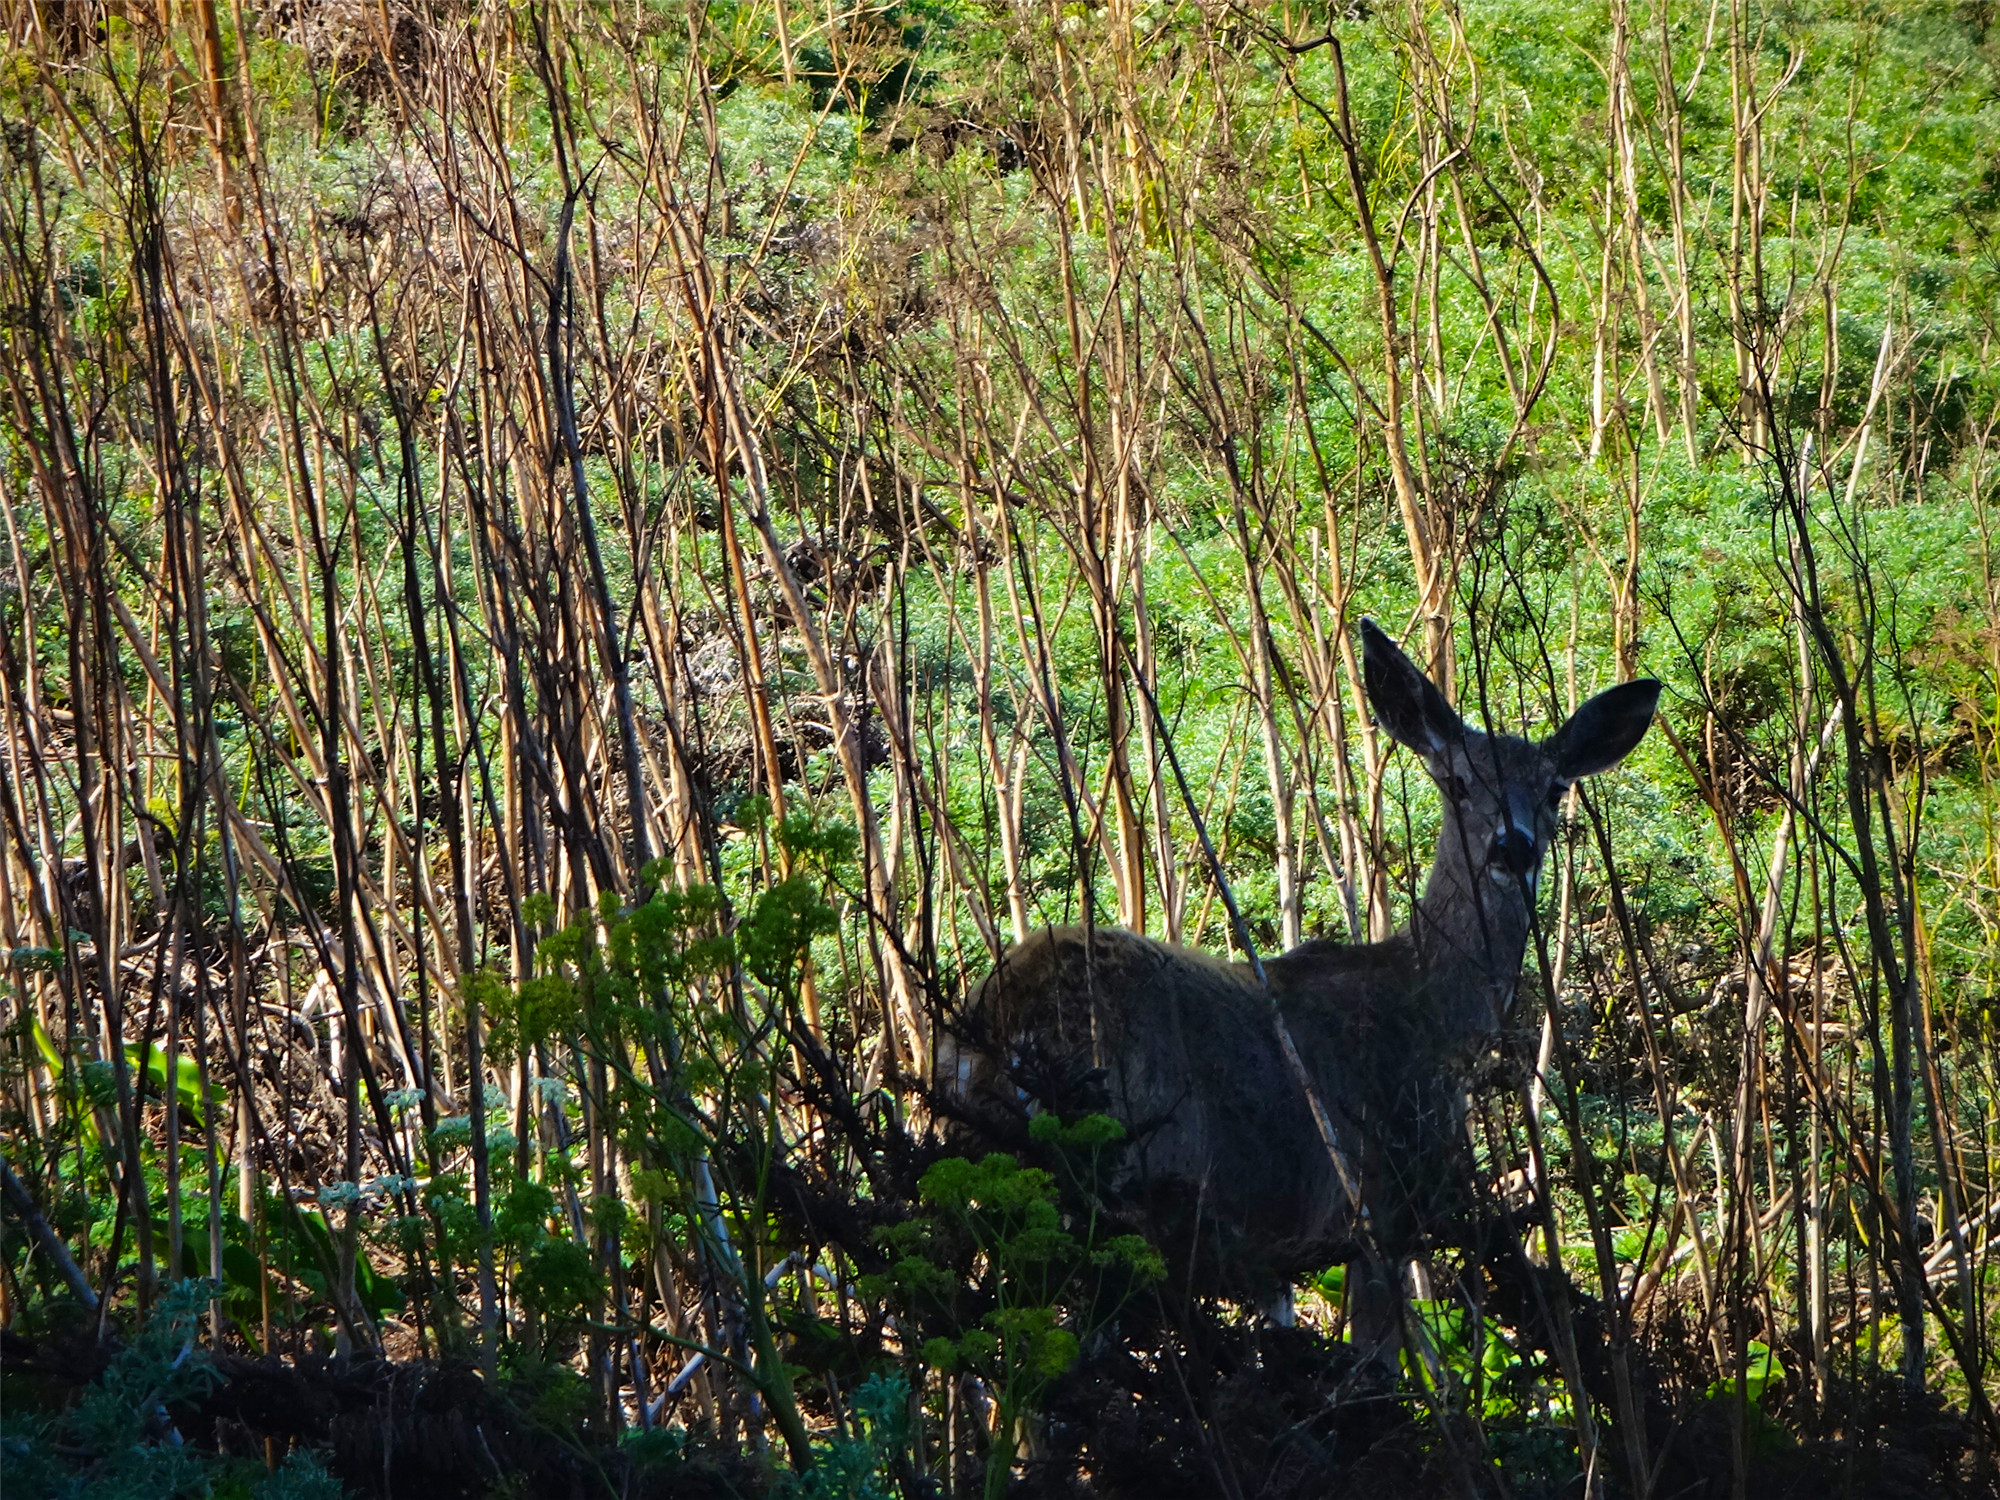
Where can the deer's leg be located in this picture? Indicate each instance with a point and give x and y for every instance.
(1279, 1309)
(1421, 1286)
(1375, 1311)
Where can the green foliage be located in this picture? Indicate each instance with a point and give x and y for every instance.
(777, 931)
(919, 295)
(558, 1279)
(654, 1450)
(859, 1466)
(302, 1245)
(119, 1439)
(99, 1081)
(1011, 1279)
(1761, 1373)
(187, 1078)
(302, 1476)
(1477, 1357)
(548, 1389)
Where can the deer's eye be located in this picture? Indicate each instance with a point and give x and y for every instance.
(1456, 789)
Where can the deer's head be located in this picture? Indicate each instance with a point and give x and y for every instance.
(1502, 794)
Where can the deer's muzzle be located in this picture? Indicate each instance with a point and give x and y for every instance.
(1517, 849)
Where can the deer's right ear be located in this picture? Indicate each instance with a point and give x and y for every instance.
(1603, 731)
(1407, 703)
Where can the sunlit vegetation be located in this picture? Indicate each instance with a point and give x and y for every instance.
(576, 570)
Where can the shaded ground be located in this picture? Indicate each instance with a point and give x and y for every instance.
(1253, 1412)
(1282, 1414)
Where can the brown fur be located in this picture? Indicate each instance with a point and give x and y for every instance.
(1224, 1159)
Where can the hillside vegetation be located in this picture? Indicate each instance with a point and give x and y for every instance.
(576, 570)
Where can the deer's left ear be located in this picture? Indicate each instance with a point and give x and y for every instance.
(1603, 731)
(1407, 703)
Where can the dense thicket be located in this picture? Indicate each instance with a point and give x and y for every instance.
(576, 569)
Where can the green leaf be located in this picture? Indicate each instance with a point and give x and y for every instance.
(48, 1050)
(187, 1076)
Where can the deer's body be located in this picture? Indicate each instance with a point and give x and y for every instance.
(1226, 1162)
(1223, 1142)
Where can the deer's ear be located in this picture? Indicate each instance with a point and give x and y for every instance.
(1406, 702)
(1603, 731)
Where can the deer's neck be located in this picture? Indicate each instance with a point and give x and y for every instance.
(1470, 928)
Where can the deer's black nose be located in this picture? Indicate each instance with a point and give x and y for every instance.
(1517, 849)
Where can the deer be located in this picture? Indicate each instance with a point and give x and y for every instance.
(1285, 1117)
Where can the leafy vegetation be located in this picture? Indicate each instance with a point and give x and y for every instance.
(575, 573)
